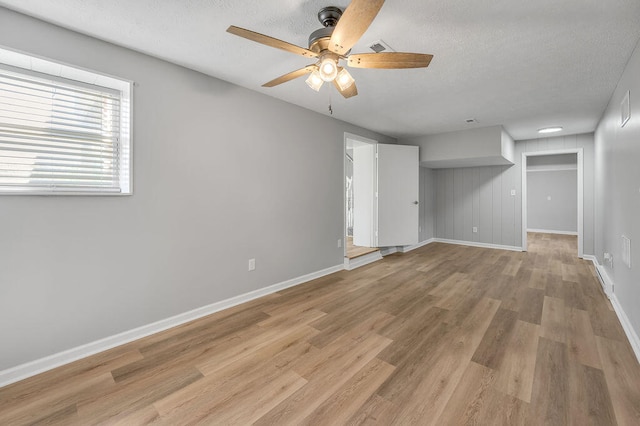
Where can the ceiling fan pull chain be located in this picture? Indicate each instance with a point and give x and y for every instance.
(330, 109)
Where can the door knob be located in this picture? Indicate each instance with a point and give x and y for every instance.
(415, 202)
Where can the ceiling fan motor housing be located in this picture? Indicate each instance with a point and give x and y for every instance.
(328, 17)
(319, 39)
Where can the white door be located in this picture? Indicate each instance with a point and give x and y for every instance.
(364, 164)
(397, 195)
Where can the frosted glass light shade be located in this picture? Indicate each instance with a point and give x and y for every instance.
(315, 81)
(328, 69)
(344, 79)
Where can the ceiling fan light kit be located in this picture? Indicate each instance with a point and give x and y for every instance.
(328, 68)
(333, 43)
(315, 81)
(344, 79)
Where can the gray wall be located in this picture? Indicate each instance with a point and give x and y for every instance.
(221, 174)
(618, 190)
(555, 177)
(552, 200)
(481, 196)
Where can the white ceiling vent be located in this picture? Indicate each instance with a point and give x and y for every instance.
(380, 46)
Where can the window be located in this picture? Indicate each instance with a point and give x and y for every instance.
(63, 130)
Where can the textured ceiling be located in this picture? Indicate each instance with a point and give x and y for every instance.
(520, 63)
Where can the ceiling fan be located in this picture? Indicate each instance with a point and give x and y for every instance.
(333, 43)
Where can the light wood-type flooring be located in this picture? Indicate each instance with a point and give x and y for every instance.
(442, 335)
(357, 251)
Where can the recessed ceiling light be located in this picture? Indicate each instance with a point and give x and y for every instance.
(550, 129)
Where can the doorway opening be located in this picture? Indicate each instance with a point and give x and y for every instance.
(359, 204)
(552, 195)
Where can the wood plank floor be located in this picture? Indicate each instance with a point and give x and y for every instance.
(357, 251)
(443, 335)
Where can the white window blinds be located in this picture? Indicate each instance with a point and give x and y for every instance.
(58, 135)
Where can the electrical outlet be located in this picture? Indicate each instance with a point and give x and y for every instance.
(252, 264)
(513, 192)
(475, 229)
(548, 197)
(339, 242)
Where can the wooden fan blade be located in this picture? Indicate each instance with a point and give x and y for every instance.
(270, 41)
(389, 60)
(348, 92)
(290, 76)
(353, 23)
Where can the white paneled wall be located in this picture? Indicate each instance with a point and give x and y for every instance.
(427, 204)
(476, 197)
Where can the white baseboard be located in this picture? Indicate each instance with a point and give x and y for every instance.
(386, 251)
(50, 362)
(605, 280)
(550, 231)
(608, 288)
(476, 244)
(356, 262)
(634, 340)
(405, 249)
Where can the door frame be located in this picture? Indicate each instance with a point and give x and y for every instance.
(579, 153)
(357, 138)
